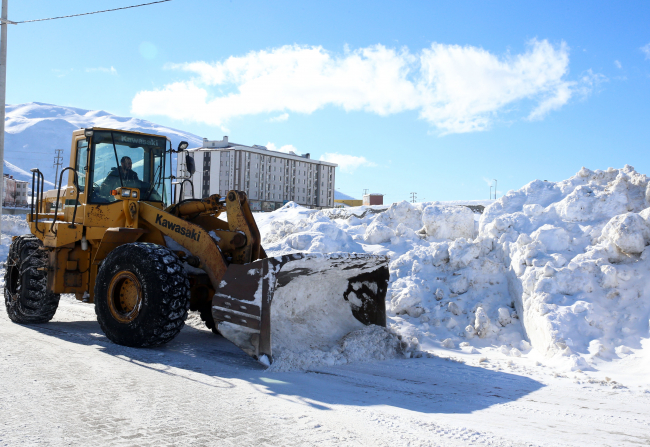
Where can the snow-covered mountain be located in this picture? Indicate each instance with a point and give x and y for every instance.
(34, 130)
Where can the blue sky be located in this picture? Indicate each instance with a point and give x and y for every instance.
(436, 98)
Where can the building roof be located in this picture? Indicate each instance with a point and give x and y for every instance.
(227, 145)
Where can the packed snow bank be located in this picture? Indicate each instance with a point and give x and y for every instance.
(446, 222)
(12, 225)
(368, 343)
(577, 263)
(555, 270)
(313, 319)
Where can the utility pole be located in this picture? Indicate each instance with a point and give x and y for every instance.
(58, 161)
(3, 96)
(365, 191)
(414, 197)
(495, 189)
(491, 192)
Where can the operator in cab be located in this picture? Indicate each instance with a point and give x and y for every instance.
(129, 178)
(128, 175)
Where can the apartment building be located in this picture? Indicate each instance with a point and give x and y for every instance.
(14, 191)
(269, 178)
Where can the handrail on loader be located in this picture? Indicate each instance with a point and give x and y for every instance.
(58, 195)
(182, 186)
(40, 181)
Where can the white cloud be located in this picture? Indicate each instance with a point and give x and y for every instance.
(286, 148)
(455, 88)
(618, 65)
(279, 118)
(560, 97)
(111, 70)
(646, 50)
(347, 163)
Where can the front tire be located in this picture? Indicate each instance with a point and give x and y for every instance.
(26, 296)
(141, 295)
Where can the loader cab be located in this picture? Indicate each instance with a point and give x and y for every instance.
(105, 160)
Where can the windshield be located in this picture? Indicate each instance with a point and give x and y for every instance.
(128, 160)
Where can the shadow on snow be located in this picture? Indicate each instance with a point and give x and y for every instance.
(427, 385)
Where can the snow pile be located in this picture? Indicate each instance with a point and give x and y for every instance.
(369, 343)
(12, 225)
(446, 222)
(577, 262)
(315, 233)
(554, 269)
(312, 321)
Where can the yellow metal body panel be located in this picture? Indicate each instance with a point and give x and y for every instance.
(113, 238)
(240, 219)
(68, 270)
(190, 236)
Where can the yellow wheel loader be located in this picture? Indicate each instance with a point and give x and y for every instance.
(116, 239)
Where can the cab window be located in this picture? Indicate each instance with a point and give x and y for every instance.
(128, 160)
(81, 164)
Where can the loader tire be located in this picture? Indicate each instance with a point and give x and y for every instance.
(26, 296)
(206, 317)
(142, 295)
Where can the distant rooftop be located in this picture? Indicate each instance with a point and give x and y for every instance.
(209, 145)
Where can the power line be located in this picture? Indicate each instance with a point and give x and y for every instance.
(89, 13)
(58, 161)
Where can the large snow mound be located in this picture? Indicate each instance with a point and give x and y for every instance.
(576, 260)
(554, 270)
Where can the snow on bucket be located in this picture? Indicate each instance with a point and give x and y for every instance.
(300, 301)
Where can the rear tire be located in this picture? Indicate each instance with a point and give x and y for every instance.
(206, 317)
(141, 295)
(26, 296)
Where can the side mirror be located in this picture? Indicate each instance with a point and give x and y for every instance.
(189, 164)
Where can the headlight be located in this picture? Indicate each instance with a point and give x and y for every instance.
(134, 194)
(126, 192)
(88, 133)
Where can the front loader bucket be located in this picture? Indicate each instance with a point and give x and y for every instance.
(300, 299)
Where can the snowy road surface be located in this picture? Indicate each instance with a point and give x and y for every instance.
(64, 383)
